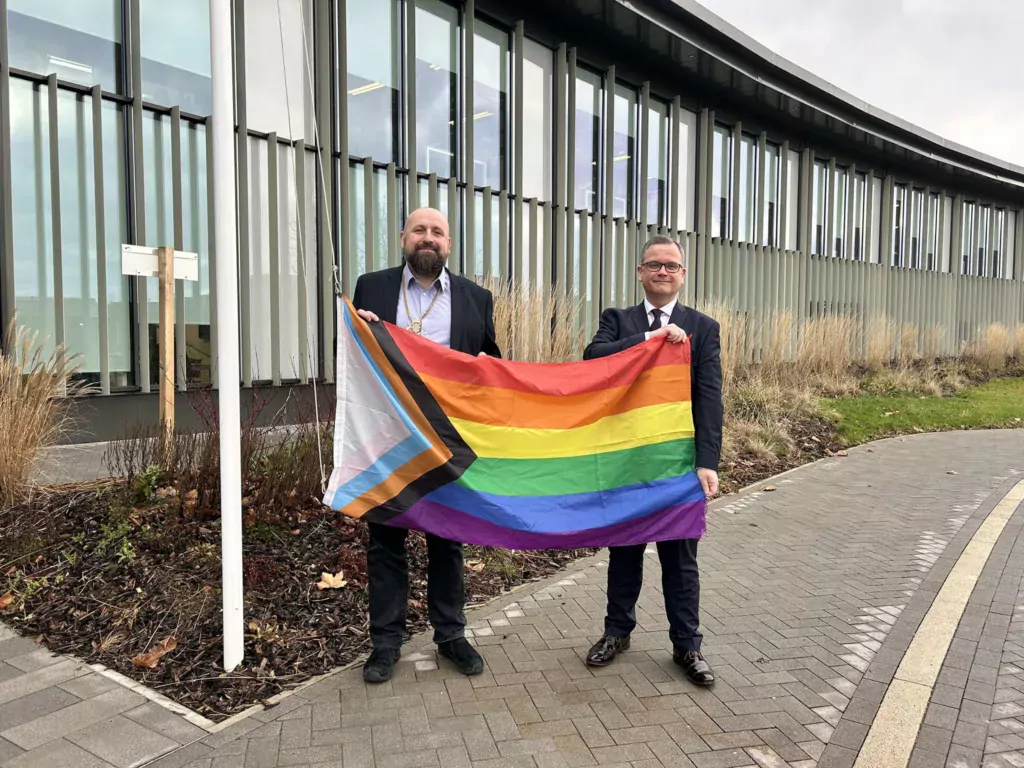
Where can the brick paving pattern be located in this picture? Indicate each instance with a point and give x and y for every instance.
(810, 595)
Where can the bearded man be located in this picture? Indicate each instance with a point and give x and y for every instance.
(423, 297)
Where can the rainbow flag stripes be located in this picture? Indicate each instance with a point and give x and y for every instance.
(515, 455)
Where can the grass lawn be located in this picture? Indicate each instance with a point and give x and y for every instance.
(998, 403)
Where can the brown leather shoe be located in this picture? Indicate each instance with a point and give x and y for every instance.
(604, 650)
(697, 670)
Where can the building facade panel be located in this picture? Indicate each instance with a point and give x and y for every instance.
(557, 139)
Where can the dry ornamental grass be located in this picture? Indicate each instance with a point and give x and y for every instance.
(35, 392)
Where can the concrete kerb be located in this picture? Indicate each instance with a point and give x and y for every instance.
(424, 639)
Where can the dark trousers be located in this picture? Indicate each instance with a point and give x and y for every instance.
(680, 582)
(388, 569)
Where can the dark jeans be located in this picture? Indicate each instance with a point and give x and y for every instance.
(680, 582)
(388, 570)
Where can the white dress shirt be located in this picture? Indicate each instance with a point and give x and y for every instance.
(437, 325)
(666, 317)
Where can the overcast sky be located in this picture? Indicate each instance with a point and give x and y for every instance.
(954, 67)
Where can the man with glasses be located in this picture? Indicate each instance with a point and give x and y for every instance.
(661, 272)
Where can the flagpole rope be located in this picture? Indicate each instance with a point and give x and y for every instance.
(298, 228)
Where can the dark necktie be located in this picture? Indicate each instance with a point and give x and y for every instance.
(656, 322)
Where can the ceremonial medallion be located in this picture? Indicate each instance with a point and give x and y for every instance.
(416, 327)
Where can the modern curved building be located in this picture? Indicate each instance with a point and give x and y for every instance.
(557, 135)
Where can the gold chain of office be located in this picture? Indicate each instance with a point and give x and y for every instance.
(416, 326)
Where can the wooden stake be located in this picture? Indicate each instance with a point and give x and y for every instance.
(165, 335)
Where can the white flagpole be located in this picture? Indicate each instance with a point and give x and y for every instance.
(225, 240)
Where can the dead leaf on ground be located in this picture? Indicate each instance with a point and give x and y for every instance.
(6, 600)
(327, 581)
(890, 413)
(475, 565)
(768, 488)
(842, 453)
(951, 472)
(152, 658)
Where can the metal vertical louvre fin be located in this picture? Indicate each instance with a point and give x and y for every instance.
(211, 217)
(138, 185)
(274, 236)
(242, 197)
(7, 293)
(394, 252)
(55, 212)
(101, 236)
(607, 243)
(299, 162)
(177, 208)
(468, 251)
(517, 155)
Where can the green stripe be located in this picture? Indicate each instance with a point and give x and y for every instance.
(580, 474)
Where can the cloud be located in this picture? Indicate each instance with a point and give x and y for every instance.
(950, 66)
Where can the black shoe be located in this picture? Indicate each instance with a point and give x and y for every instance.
(381, 664)
(697, 670)
(604, 650)
(463, 655)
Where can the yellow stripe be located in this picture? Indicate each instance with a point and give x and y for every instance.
(642, 426)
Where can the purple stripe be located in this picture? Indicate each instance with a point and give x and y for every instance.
(682, 521)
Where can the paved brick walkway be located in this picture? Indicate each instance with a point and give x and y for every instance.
(810, 595)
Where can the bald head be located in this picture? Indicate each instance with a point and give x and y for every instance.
(426, 242)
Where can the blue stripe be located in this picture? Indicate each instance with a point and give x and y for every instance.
(571, 512)
(395, 457)
(377, 472)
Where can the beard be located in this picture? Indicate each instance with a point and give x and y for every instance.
(425, 261)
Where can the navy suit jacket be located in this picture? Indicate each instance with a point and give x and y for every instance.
(623, 328)
(472, 308)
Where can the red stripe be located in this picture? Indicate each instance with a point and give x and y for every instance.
(618, 370)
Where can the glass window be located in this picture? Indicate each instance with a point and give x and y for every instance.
(538, 101)
(859, 209)
(686, 178)
(981, 241)
(899, 228)
(589, 118)
(721, 181)
(966, 236)
(656, 174)
(277, 81)
(176, 54)
(437, 87)
(33, 235)
(490, 105)
(78, 41)
(839, 213)
(771, 192)
(624, 152)
(820, 192)
(746, 206)
(374, 105)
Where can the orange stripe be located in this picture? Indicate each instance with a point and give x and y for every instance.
(430, 459)
(516, 408)
(395, 483)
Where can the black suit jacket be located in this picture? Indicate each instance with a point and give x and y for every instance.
(472, 308)
(623, 328)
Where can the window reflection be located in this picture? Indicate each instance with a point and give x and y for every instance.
(277, 83)
(624, 152)
(437, 87)
(373, 79)
(538, 71)
(656, 174)
(819, 192)
(721, 181)
(490, 105)
(588, 140)
(78, 41)
(176, 54)
(772, 182)
(746, 206)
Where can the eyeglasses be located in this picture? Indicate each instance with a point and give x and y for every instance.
(669, 266)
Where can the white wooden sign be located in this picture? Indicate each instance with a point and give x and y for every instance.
(143, 261)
